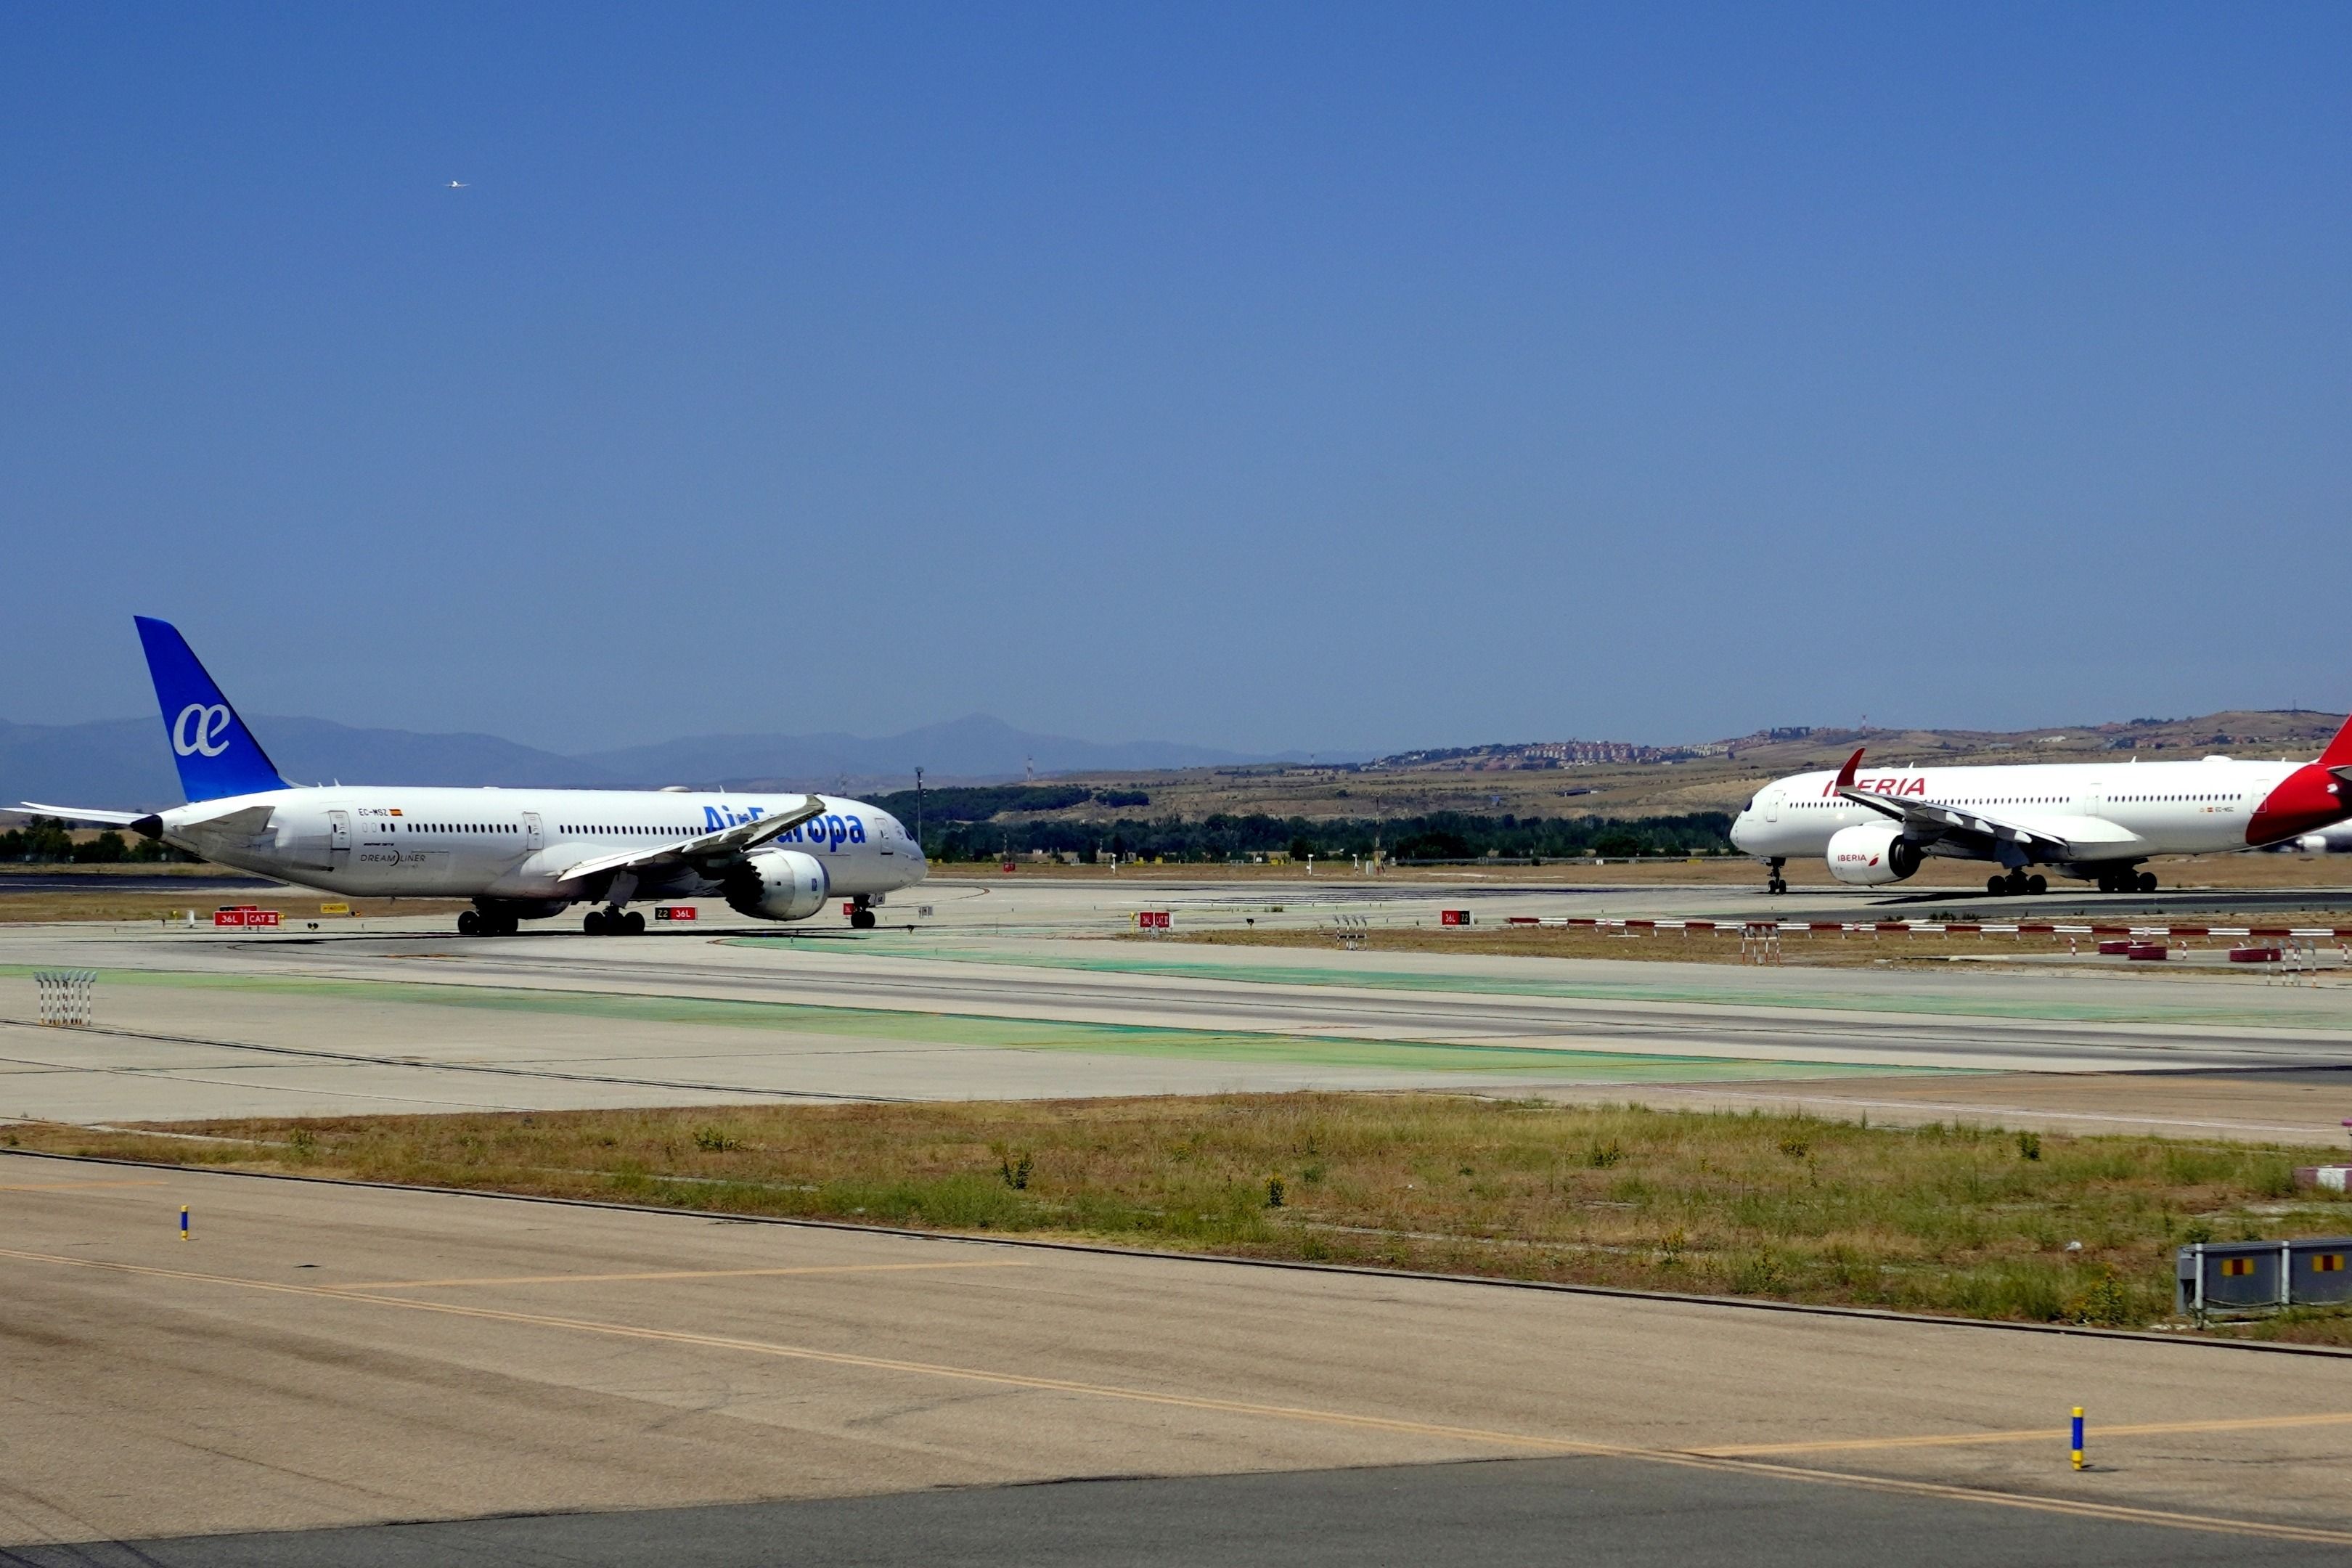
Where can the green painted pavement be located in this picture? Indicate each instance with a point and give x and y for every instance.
(2286, 1008)
(1007, 1034)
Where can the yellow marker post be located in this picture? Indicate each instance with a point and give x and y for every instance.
(2078, 1437)
(184, 1222)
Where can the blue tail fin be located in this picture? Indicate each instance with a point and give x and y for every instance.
(216, 754)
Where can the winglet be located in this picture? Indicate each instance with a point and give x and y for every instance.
(2339, 750)
(1845, 773)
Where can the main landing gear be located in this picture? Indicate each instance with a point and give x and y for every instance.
(2017, 884)
(1773, 881)
(489, 922)
(613, 922)
(2127, 881)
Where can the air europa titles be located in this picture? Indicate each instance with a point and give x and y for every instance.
(830, 831)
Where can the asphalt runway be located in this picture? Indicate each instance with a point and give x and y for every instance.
(1516, 1513)
(1017, 995)
(323, 1369)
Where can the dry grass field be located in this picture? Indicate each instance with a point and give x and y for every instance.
(1945, 1219)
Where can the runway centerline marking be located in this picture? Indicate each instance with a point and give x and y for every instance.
(1686, 1458)
(671, 1274)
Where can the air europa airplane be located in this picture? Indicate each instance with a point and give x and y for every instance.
(519, 854)
(2095, 821)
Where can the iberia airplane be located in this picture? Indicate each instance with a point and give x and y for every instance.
(2096, 821)
(518, 854)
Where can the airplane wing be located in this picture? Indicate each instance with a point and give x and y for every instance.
(1930, 823)
(741, 838)
(77, 814)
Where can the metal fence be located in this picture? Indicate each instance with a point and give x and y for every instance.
(2255, 1276)
(66, 996)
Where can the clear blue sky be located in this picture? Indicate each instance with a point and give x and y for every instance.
(1261, 377)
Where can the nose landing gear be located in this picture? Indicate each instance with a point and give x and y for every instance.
(1773, 881)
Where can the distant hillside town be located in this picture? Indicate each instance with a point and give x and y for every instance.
(1529, 756)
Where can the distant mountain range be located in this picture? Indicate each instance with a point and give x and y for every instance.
(123, 762)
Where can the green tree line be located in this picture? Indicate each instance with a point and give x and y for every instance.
(45, 841)
(1440, 836)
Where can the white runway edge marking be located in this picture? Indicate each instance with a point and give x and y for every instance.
(1686, 1458)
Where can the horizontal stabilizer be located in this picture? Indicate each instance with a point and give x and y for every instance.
(77, 813)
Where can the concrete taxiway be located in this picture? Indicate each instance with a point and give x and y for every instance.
(324, 1360)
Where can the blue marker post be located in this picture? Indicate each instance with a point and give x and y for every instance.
(2078, 1437)
(184, 1222)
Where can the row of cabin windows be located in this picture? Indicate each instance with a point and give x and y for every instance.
(572, 828)
(634, 832)
(609, 832)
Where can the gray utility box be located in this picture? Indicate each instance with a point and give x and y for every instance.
(2245, 1276)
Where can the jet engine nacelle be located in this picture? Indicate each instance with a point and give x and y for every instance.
(2329, 841)
(1869, 855)
(777, 885)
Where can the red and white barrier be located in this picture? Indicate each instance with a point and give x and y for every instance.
(1924, 928)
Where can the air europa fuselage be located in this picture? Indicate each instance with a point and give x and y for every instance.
(518, 854)
(517, 844)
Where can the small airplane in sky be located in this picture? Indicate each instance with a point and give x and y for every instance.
(459, 186)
